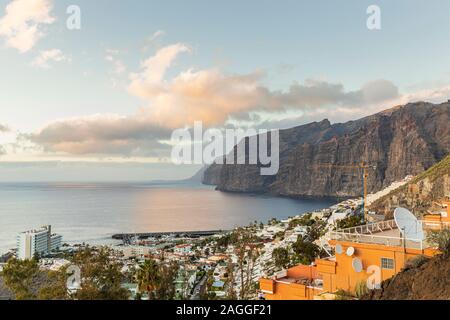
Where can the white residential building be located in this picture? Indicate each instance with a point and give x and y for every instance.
(39, 241)
(136, 251)
(55, 242)
(183, 249)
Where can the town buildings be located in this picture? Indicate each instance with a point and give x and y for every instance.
(298, 283)
(38, 241)
(364, 256)
(183, 249)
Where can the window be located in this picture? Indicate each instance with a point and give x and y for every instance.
(387, 263)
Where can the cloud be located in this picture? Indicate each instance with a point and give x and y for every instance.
(4, 128)
(102, 134)
(21, 26)
(44, 58)
(207, 95)
(434, 95)
(111, 56)
(119, 67)
(214, 97)
(152, 39)
(156, 35)
(142, 135)
(153, 70)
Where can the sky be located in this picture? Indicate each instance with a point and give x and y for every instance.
(99, 102)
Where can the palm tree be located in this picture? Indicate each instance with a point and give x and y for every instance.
(148, 276)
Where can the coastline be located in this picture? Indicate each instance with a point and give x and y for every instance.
(93, 212)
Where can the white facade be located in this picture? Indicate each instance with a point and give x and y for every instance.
(55, 242)
(182, 249)
(136, 251)
(39, 241)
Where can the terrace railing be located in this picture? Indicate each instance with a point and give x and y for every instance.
(378, 233)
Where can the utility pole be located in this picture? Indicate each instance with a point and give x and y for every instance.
(362, 166)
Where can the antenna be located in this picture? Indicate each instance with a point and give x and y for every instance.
(409, 226)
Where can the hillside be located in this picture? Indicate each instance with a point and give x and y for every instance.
(427, 281)
(418, 194)
(401, 141)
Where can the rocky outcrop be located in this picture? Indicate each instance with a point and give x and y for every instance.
(420, 193)
(401, 141)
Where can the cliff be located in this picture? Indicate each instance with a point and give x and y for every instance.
(420, 193)
(405, 140)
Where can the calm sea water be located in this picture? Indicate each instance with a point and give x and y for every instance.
(92, 212)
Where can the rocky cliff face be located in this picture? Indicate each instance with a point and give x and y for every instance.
(420, 193)
(400, 141)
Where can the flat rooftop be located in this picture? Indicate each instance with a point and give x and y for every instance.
(383, 233)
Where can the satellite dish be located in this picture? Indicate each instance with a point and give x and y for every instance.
(339, 249)
(408, 224)
(350, 251)
(357, 265)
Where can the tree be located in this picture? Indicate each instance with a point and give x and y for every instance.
(158, 280)
(231, 293)
(349, 222)
(55, 288)
(281, 257)
(247, 254)
(315, 231)
(148, 276)
(100, 276)
(228, 239)
(305, 251)
(207, 294)
(165, 289)
(280, 235)
(305, 220)
(19, 276)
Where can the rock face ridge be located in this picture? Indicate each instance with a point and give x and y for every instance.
(420, 193)
(405, 140)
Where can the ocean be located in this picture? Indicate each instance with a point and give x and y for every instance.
(93, 212)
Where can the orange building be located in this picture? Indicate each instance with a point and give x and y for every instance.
(367, 254)
(298, 283)
(439, 215)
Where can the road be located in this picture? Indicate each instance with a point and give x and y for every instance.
(199, 288)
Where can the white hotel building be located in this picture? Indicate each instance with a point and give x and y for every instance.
(39, 241)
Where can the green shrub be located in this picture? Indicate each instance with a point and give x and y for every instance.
(440, 239)
(343, 295)
(280, 257)
(415, 262)
(349, 222)
(361, 289)
(304, 220)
